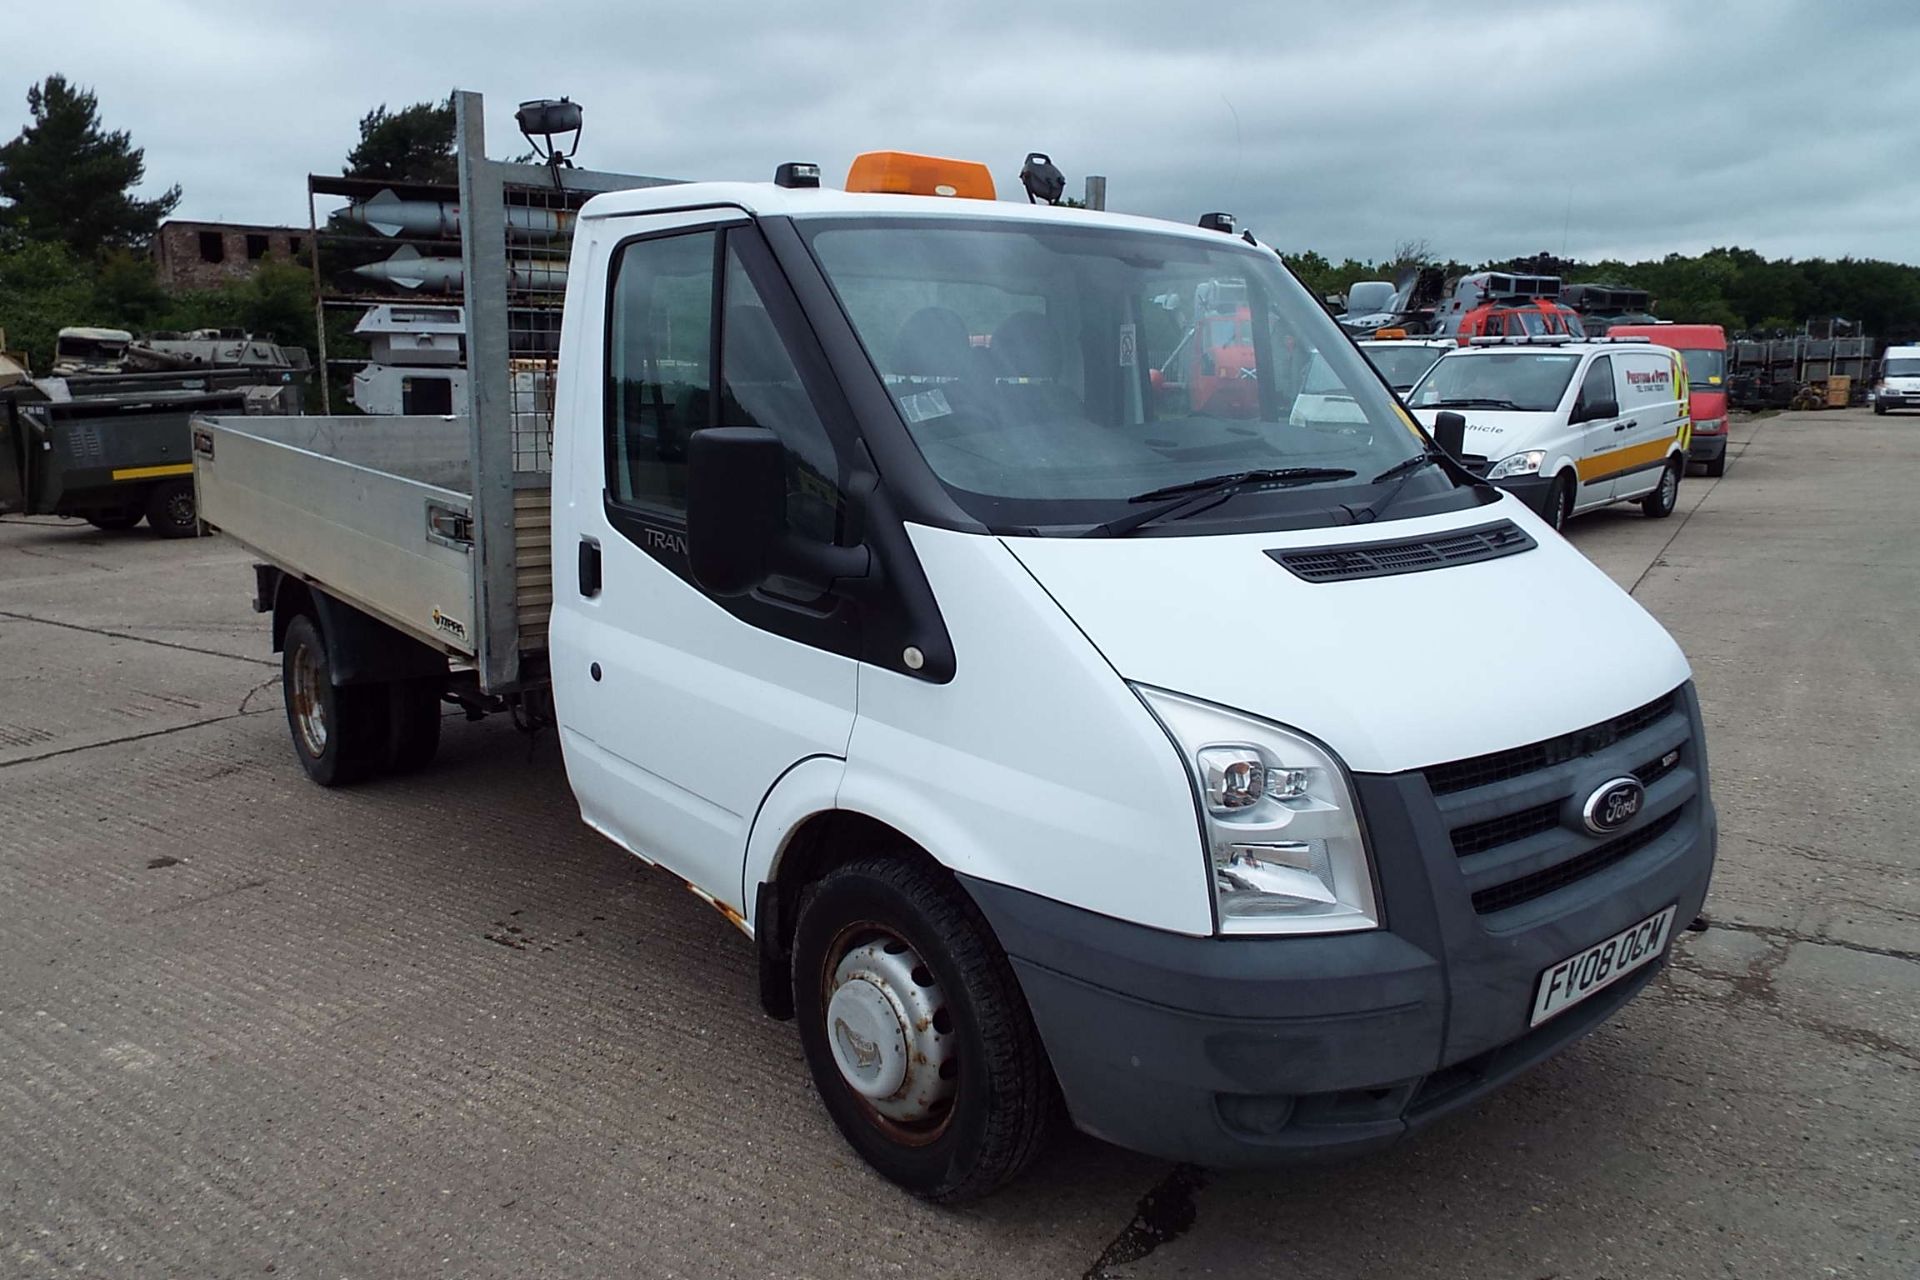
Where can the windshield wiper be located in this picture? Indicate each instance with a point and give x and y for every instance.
(1234, 479)
(1190, 497)
(1470, 402)
(1414, 463)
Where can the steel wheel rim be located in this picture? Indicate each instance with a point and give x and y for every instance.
(180, 508)
(890, 1033)
(306, 700)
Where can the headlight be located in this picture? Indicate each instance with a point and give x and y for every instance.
(1282, 830)
(1520, 464)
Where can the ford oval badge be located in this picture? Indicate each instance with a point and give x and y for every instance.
(1613, 805)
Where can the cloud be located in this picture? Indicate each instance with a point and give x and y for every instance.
(1625, 130)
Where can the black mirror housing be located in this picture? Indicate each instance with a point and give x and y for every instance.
(736, 507)
(737, 535)
(1450, 432)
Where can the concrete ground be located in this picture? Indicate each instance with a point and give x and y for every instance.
(436, 1027)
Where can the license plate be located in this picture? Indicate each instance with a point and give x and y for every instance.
(1601, 965)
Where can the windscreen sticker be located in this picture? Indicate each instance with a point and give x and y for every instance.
(923, 405)
(1127, 347)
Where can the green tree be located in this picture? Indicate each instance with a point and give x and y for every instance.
(414, 144)
(66, 179)
(43, 288)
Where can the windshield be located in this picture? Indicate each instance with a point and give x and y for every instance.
(1047, 372)
(1905, 367)
(1401, 366)
(1706, 367)
(1530, 380)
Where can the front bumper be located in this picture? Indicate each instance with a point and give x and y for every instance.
(1706, 448)
(1532, 490)
(1259, 1051)
(1897, 399)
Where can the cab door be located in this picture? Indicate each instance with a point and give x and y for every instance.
(679, 710)
(1651, 392)
(1596, 425)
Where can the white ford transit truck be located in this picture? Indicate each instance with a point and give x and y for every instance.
(1059, 733)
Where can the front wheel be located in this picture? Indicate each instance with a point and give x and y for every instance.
(1658, 505)
(1560, 502)
(171, 512)
(916, 1032)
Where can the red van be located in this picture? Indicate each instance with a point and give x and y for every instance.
(1705, 348)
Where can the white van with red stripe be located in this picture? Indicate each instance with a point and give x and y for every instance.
(1565, 426)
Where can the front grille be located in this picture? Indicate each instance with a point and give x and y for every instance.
(1405, 555)
(1540, 883)
(1478, 837)
(1515, 762)
(1658, 767)
(1509, 814)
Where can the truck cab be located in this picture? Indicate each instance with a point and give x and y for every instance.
(1040, 727)
(1703, 349)
(1052, 735)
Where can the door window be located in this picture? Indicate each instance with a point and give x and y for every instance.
(661, 387)
(1597, 386)
(760, 387)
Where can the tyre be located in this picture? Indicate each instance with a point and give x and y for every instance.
(413, 723)
(1560, 502)
(171, 512)
(1658, 505)
(117, 519)
(916, 1032)
(1716, 466)
(1879, 408)
(339, 732)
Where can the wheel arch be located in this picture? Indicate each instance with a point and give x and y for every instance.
(800, 834)
(361, 649)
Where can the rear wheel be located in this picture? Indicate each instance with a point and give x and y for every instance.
(916, 1032)
(171, 512)
(116, 519)
(339, 731)
(1659, 504)
(1716, 466)
(1560, 502)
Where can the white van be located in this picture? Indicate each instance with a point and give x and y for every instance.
(1040, 705)
(1899, 384)
(1565, 426)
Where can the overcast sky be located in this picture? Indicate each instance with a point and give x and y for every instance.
(1489, 130)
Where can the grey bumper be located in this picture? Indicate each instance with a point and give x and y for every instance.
(1247, 1052)
(1706, 448)
(1532, 490)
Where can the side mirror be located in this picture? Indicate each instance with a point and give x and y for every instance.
(1450, 432)
(1599, 410)
(736, 506)
(737, 535)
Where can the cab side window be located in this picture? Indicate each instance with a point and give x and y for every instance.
(659, 380)
(665, 380)
(1597, 387)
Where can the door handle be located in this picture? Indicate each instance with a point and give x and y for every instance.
(1625, 426)
(589, 567)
